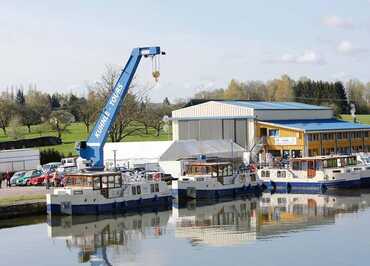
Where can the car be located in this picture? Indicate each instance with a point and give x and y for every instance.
(50, 167)
(24, 180)
(40, 180)
(15, 176)
(71, 161)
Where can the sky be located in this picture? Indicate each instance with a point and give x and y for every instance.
(63, 46)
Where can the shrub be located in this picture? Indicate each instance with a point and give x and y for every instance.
(50, 155)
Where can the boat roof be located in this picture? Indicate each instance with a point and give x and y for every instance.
(322, 157)
(93, 173)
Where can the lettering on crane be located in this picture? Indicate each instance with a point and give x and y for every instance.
(101, 124)
(116, 95)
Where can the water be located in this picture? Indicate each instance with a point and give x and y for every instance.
(279, 229)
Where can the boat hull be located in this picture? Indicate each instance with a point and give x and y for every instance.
(182, 192)
(154, 203)
(297, 187)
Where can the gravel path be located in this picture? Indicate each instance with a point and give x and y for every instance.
(6, 192)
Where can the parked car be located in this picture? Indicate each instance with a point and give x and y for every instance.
(15, 176)
(71, 161)
(50, 167)
(40, 180)
(24, 180)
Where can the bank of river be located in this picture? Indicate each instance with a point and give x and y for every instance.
(279, 229)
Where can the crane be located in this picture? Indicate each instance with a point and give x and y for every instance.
(91, 151)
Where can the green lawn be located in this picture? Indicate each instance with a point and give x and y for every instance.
(77, 132)
(361, 118)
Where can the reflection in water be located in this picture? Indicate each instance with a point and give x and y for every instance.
(230, 223)
(92, 235)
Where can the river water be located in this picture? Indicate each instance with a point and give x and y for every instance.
(278, 229)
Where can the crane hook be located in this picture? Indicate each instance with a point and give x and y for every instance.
(155, 68)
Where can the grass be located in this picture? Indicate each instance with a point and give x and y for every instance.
(77, 132)
(16, 199)
(365, 119)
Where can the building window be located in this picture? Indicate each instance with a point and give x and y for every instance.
(339, 135)
(345, 135)
(366, 134)
(273, 132)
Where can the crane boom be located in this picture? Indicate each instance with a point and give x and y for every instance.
(92, 149)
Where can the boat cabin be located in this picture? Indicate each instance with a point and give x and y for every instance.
(214, 169)
(93, 180)
(313, 164)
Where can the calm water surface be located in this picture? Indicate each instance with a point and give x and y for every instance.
(279, 229)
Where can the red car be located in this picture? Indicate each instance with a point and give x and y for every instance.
(39, 180)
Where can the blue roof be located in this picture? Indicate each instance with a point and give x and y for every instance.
(319, 124)
(259, 105)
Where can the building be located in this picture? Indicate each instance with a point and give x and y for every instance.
(279, 128)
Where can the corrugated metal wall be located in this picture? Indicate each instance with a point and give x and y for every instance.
(234, 129)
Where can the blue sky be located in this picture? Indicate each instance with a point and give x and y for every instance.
(64, 45)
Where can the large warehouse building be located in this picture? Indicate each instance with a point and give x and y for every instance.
(278, 128)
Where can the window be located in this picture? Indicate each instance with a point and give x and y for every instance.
(281, 174)
(138, 190)
(274, 132)
(151, 188)
(104, 181)
(296, 165)
(339, 135)
(133, 188)
(111, 181)
(156, 187)
(117, 181)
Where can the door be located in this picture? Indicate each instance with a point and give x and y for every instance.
(311, 169)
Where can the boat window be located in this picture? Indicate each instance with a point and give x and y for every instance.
(89, 182)
(133, 188)
(263, 174)
(156, 187)
(267, 173)
(104, 180)
(151, 188)
(138, 190)
(117, 181)
(281, 174)
(253, 177)
(97, 184)
(111, 181)
(296, 165)
(273, 132)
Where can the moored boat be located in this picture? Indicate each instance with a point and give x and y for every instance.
(107, 192)
(212, 180)
(317, 173)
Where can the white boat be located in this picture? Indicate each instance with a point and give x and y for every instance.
(212, 180)
(107, 192)
(312, 173)
(363, 160)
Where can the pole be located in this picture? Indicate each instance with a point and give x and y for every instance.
(115, 159)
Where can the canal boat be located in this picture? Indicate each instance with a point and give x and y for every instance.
(363, 166)
(107, 192)
(317, 173)
(213, 180)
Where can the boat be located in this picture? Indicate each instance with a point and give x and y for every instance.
(213, 180)
(318, 173)
(104, 192)
(363, 160)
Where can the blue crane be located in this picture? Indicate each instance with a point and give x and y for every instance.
(91, 151)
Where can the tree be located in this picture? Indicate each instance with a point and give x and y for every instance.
(29, 116)
(356, 94)
(54, 101)
(281, 89)
(40, 102)
(6, 112)
(89, 110)
(129, 109)
(19, 98)
(15, 129)
(60, 120)
(234, 90)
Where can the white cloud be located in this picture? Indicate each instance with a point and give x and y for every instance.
(307, 57)
(337, 22)
(346, 47)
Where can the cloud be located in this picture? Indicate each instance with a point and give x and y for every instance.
(307, 57)
(338, 22)
(346, 47)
